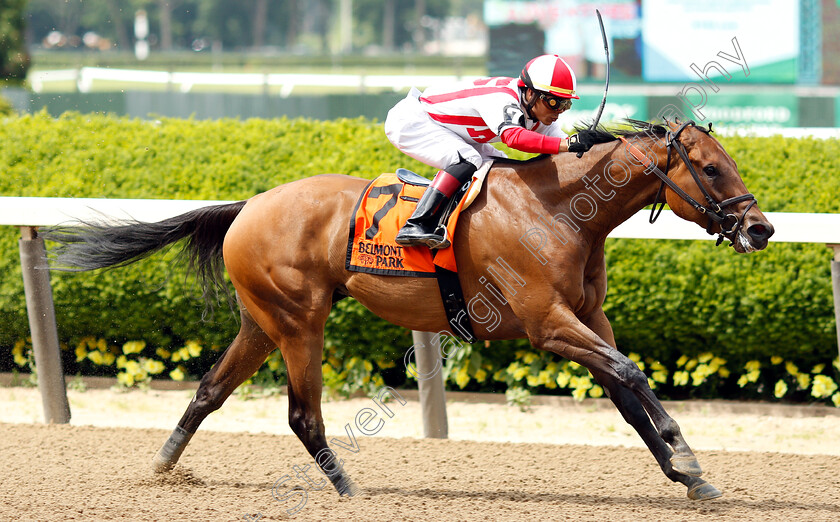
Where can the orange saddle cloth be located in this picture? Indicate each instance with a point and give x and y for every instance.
(382, 209)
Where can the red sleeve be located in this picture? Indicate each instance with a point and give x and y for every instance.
(529, 141)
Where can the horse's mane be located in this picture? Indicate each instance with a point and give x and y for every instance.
(629, 129)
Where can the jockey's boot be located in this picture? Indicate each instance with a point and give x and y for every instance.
(420, 229)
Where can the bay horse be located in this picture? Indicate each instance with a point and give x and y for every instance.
(284, 251)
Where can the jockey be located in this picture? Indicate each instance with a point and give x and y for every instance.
(450, 127)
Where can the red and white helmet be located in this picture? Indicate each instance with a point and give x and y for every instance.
(550, 73)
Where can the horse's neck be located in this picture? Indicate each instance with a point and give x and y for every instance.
(567, 185)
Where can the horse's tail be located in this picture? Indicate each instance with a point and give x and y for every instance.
(116, 244)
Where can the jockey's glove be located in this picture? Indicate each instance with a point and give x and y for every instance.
(581, 142)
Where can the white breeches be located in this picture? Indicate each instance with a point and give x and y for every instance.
(412, 131)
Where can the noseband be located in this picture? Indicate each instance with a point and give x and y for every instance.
(730, 224)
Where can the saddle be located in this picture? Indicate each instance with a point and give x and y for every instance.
(382, 209)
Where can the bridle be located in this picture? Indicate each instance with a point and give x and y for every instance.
(730, 224)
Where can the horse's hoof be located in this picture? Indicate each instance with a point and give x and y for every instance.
(704, 491)
(687, 465)
(161, 465)
(346, 487)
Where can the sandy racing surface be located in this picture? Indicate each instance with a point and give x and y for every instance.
(97, 468)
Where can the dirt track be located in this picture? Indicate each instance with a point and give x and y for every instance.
(99, 473)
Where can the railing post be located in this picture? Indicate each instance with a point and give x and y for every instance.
(42, 325)
(432, 396)
(835, 284)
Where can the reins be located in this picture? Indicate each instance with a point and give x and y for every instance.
(714, 211)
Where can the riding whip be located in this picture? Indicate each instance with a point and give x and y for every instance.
(607, 83)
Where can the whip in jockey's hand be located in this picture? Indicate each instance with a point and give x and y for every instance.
(450, 127)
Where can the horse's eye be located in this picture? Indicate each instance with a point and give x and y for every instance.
(710, 170)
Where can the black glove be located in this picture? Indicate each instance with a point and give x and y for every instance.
(581, 142)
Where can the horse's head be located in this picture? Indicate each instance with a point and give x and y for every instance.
(717, 198)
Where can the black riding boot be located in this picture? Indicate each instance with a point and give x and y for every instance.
(420, 227)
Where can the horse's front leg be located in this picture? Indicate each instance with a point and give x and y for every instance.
(592, 346)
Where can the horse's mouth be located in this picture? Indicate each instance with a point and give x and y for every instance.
(742, 244)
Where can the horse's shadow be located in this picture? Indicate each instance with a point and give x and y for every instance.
(595, 500)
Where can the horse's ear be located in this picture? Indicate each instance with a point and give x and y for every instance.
(674, 125)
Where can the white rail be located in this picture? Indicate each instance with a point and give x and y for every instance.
(185, 81)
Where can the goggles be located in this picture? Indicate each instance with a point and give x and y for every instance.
(555, 103)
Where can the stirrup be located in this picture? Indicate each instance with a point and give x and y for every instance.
(442, 243)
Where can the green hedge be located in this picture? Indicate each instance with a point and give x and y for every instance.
(666, 299)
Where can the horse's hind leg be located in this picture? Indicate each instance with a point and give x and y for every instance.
(239, 361)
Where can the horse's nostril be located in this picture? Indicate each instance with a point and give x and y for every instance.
(759, 232)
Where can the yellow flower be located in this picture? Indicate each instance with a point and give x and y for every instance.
(133, 347)
(776, 360)
(698, 376)
(781, 389)
(385, 363)
(153, 367)
(691, 364)
(511, 369)
(193, 348)
(716, 363)
(579, 394)
(742, 381)
(705, 357)
(177, 374)
(520, 373)
(791, 368)
(529, 358)
(163, 353)
(680, 378)
(753, 375)
(133, 367)
(543, 377)
(480, 375)
(368, 366)
(818, 368)
(96, 357)
(636, 358)
(462, 378)
(551, 384)
(836, 400)
(108, 358)
(823, 386)
(804, 380)
(326, 369)
(101, 345)
(125, 379)
(657, 366)
(20, 360)
(182, 353)
(752, 366)
(573, 365)
(563, 379)
(596, 391)
(274, 364)
(660, 376)
(584, 382)
(723, 372)
(532, 380)
(551, 367)
(682, 360)
(499, 375)
(81, 352)
(651, 384)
